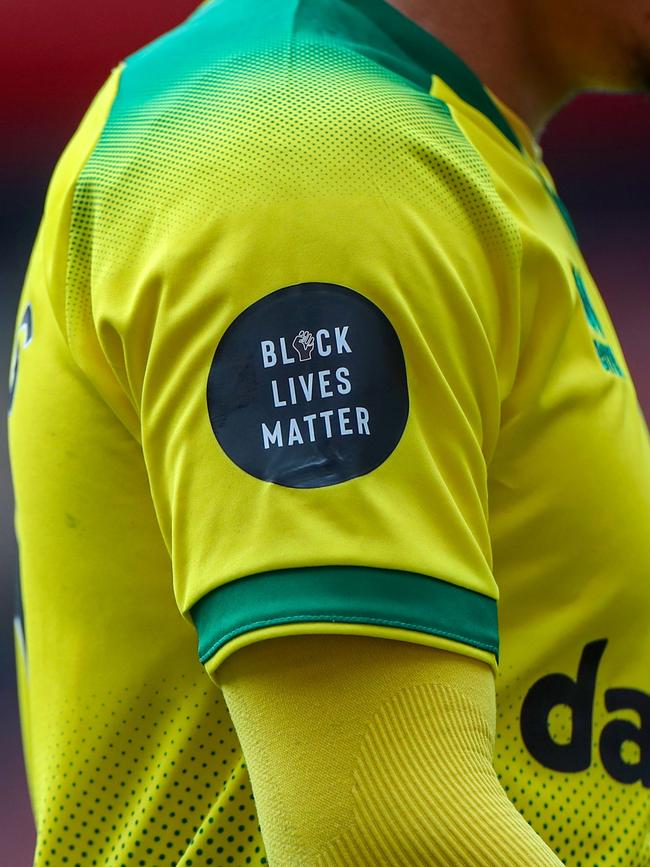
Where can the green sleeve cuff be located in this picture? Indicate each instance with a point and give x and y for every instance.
(346, 595)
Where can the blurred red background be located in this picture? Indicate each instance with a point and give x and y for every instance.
(53, 58)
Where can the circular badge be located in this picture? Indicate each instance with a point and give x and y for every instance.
(307, 387)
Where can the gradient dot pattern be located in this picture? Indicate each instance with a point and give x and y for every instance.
(153, 777)
(587, 817)
(296, 121)
(209, 128)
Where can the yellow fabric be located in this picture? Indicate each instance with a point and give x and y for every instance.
(263, 634)
(523, 471)
(364, 752)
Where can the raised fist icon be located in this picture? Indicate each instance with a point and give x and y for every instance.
(303, 343)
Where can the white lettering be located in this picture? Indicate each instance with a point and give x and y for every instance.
(344, 421)
(276, 397)
(363, 417)
(274, 438)
(294, 433)
(299, 430)
(341, 343)
(269, 358)
(310, 424)
(323, 344)
(322, 348)
(307, 385)
(326, 416)
(286, 359)
(324, 380)
(343, 376)
(292, 391)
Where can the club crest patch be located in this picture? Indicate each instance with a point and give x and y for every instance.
(308, 388)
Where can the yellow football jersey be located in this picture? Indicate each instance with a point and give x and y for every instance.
(307, 344)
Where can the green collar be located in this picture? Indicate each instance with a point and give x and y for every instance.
(432, 56)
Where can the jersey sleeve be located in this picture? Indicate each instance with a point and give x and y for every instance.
(305, 307)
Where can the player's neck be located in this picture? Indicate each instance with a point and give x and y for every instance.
(506, 44)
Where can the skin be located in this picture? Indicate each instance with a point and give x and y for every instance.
(535, 55)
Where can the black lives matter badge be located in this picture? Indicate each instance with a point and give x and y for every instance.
(307, 387)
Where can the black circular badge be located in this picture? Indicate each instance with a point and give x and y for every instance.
(307, 387)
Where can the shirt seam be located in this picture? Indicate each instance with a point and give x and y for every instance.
(307, 617)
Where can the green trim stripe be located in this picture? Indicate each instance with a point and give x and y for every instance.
(432, 55)
(345, 594)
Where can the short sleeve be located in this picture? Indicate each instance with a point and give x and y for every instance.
(310, 306)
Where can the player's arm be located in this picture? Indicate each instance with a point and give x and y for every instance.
(308, 313)
(364, 751)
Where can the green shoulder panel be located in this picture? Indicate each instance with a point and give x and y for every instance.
(220, 32)
(238, 106)
(237, 30)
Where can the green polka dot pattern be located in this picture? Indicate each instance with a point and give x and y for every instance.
(154, 778)
(308, 120)
(211, 123)
(585, 817)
